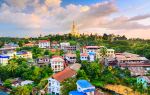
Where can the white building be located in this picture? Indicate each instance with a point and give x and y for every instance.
(64, 44)
(57, 63)
(44, 44)
(24, 54)
(54, 83)
(70, 58)
(4, 59)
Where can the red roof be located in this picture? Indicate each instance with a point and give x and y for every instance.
(84, 54)
(65, 74)
(91, 46)
(43, 41)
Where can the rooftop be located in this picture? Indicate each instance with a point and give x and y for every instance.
(76, 93)
(83, 54)
(84, 84)
(65, 74)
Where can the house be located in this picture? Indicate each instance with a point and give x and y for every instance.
(63, 45)
(144, 80)
(11, 54)
(83, 88)
(71, 49)
(70, 58)
(11, 47)
(24, 54)
(54, 83)
(92, 56)
(43, 61)
(55, 45)
(57, 63)
(124, 58)
(110, 61)
(88, 49)
(26, 82)
(84, 57)
(4, 59)
(44, 44)
(30, 44)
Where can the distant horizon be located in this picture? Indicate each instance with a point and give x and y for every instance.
(22, 18)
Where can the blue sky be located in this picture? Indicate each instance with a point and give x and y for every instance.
(31, 18)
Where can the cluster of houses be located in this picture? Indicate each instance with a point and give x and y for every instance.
(65, 66)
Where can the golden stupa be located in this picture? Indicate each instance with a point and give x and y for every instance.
(74, 30)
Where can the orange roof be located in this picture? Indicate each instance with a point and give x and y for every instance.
(65, 74)
(84, 54)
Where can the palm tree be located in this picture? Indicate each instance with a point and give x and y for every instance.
(103, 53)
(12, 66)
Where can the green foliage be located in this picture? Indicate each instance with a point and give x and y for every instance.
(78, 56)
(7, 83)
(68, 85)
(82, 75)
(22, 90)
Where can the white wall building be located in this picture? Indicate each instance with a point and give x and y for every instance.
(57, 63)
(54, 83)
(64, 44)
(44, 44)
(4, 59)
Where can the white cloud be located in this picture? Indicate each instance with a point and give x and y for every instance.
(49, 16)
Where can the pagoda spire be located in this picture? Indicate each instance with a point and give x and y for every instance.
(74, 30)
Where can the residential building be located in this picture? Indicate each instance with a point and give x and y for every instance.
(30, 44)
(83, 88)
(24, 54)
(63, 45)
(4, 59)
(124, 58)
(11, 47)
(43, 61)
(144, 80)
(70, 58)
(44, 44)
(55, 45)
(57, 63)
(71, 49)
(87, 49)
(92, 56)
(84, 57)
(54, 83)
(26, 82)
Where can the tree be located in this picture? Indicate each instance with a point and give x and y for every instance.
(103, 53)
(78, 56)
(22, 90)
(20, 43)
(82, 75)
(7, 83)
(12, 66)
(68, 85)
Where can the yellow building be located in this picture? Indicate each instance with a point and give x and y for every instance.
(74, 30)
